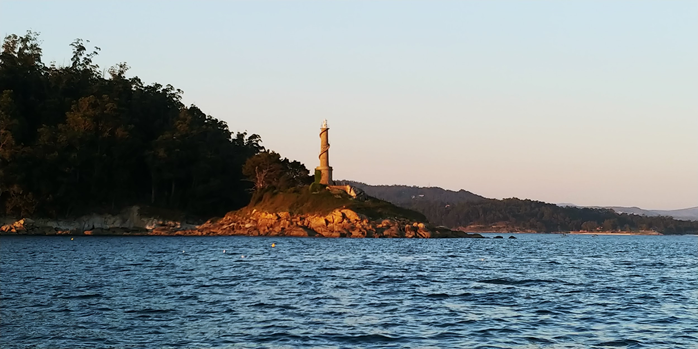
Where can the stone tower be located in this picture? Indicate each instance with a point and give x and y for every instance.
(324, 167)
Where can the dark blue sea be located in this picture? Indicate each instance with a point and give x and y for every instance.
(536, 291)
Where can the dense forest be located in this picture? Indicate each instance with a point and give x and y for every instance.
(463, 208)
(77, 138)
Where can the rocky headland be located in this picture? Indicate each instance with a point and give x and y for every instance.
(297, 213)
(338, 223)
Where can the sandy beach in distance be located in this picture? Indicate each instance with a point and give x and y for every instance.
(615, 233)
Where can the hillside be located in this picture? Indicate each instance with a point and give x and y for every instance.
(300, 201)
(403, 194)
(465, 210)
(529, 215)
(687, 214)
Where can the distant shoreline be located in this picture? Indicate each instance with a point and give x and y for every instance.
(616, 233)
(624, 233)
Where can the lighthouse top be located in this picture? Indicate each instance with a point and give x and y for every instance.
(324, 123)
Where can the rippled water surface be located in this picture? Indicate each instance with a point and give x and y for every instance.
(537, 291)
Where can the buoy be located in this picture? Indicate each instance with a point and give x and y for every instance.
(273, 245)
(182, 251)
(243, 256)
(71, 239)
(223, 251)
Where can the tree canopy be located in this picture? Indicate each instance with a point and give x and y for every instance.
(73, 140)
(268, 170)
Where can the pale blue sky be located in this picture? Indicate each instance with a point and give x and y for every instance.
(585, 102)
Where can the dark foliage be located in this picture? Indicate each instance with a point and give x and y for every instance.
(268, 170)
(544, 217)
(72, 140)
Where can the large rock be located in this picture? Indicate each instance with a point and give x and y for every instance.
(351, 215)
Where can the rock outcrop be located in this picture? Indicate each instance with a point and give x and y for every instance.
(338, 223)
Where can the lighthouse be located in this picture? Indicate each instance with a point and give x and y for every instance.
(324, 167)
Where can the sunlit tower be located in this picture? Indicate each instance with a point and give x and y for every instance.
(324, 167)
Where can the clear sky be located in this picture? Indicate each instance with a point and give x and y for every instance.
(584, 102)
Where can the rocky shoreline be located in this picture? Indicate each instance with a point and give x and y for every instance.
(338, 223)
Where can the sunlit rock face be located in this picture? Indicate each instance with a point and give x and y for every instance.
(338, 223)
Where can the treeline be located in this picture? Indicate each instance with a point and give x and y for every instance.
(544, 217)
(76, 138)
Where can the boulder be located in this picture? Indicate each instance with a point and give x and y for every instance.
(393, 232)
(351, 215)
(335, 217)
(297, 231)
(315, 223)
(424, 234)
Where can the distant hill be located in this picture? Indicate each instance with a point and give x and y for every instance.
(686, 214)
(471, 212)
(403, 194)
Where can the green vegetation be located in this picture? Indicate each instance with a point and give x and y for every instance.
(301, 200)
(544, 217)
(268, 170)
(73, 141)
(463, 208)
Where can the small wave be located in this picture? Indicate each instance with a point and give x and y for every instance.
(545, 312)
(82, 296)
(621, 343)
(205, 285)
(446, 335)
(380, 305)
(365, 339)
(387, 280)
(149, 311)
(525, 282)
(539, 340)
(280, 337)
(273, 306)
(445, 295)
(437, 295)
